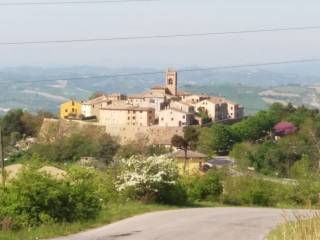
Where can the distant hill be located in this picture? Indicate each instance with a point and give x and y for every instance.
(242, 85)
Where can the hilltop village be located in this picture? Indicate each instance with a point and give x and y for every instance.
(156, 114)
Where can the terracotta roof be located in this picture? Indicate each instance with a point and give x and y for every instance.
(183, 93)
(182, 103)
(176, 110)
(159, 87)
(149, 94)
(96, 100)
(127, 107)
(217, 100)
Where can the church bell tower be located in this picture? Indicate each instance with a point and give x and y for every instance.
(172, 82)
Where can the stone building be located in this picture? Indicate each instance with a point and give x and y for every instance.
(158, 97)
(91, 108)
(215, 108)
(183, 106)
(235, 111)
(171, 117)
(194, 98)
(126, 115)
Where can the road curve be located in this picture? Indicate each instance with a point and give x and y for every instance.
(193, 224)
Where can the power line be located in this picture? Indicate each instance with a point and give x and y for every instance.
(184, 35)
(71, 2)
(162, 72)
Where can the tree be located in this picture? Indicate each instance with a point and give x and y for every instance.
(11, 122)
(189, 140)
(143, 176)
(218, 139)
(255, 127)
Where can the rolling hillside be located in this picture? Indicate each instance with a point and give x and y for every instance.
(45, 88)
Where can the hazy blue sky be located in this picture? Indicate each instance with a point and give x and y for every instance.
(163, 17)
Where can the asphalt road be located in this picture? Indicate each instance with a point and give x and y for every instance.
(193, 224)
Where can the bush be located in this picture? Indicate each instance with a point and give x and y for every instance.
(173, 194)
(147, 176)
(36, 198)
(256, 191)
(72, 148)
(204, 187)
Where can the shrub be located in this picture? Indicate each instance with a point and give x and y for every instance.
(256, 191)
(175, 194)
(72, 148)
(146, 176)
(36, 198)
(204, 187)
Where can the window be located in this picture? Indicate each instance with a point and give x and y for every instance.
(162, 119)
(128, 118)
(134, 118)
(172, 119)
(66, 110)
(170, 81)
(72, 109)
(140, 111)
(184, 116)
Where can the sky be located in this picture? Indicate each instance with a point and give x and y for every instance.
(56, 22)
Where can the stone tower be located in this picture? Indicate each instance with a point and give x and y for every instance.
(172, 81)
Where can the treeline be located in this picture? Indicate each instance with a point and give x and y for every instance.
(18, 123)
(252, 144)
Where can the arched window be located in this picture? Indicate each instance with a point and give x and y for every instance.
(170, 81)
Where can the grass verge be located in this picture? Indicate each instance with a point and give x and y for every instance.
(113, 213)
(300, 229)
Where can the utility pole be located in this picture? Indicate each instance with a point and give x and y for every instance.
(3, 174)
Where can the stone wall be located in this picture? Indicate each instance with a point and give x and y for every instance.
(54, 128)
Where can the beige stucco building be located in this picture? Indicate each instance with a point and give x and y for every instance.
(216, 108)
(182, 106)
(92, 107)
(235, 111)
(193, 99)
(219, 108)
(171, 117)
(126, 115)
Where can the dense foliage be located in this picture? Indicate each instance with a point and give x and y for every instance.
(35, 198)
(148, 177)
(207, 187)
(82, 144)
(18, 123)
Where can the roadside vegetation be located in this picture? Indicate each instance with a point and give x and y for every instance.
(299, 229)
(114, 182)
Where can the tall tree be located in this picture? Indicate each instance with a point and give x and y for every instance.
(218, 139)
(188, 141)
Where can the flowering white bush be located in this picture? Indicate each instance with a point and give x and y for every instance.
(146, 174)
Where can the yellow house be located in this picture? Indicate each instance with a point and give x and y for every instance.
(194, 161)
(70, 109)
